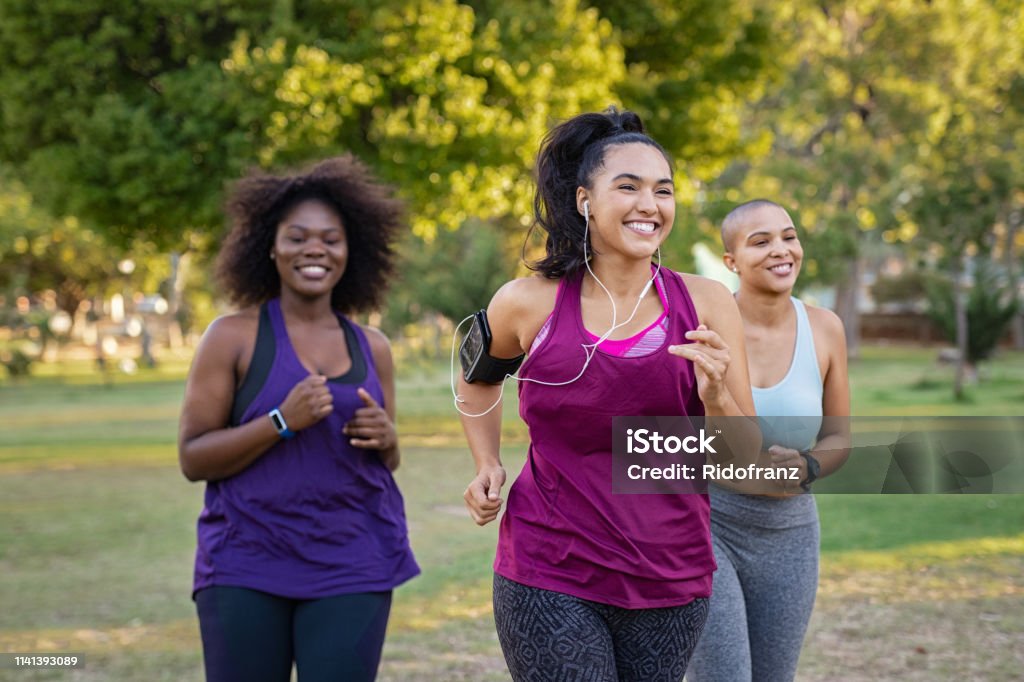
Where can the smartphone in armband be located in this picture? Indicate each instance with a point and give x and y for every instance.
(478, 366)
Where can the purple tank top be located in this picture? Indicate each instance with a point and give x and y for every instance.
(563, 529)
(313, 516)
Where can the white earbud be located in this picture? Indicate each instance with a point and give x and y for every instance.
(589, 349)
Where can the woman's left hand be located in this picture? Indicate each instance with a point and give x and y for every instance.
(788, 458)
(710, 357)
(370, 426)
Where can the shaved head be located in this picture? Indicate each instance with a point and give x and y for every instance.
(733, 223)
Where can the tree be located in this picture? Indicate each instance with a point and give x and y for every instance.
(856, 123)
(132, 116)
(40, 253)
(965, 180)
(151, 107)
(989, 307)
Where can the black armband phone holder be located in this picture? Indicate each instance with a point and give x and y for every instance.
(477, 363)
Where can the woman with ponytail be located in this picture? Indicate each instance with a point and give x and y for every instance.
(590, 585)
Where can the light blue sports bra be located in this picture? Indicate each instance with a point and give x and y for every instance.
(790, 411)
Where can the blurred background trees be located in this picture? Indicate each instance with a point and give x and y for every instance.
(891, 128)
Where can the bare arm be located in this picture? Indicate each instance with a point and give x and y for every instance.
(515, 315)
(208, 447)
(833, 444)
(719, 357)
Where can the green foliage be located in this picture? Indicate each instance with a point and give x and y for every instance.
(991, 305)
(119, 113)
(38, 252)
(884, 111)
(457, 272)
(150, 107)
(896, 122)
(692, 68)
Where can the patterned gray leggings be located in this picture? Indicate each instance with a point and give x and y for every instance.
(550, 636)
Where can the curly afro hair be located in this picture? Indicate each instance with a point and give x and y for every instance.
(257, 204)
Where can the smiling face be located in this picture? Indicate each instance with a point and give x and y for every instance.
(310, 249)
(632, 201)
(765, 250)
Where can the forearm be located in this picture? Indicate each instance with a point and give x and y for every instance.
(224, 452)
(831, 451)
(391, 457)
(483, 432)
(738, 434)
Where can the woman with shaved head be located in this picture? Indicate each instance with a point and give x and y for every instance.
(766, 542)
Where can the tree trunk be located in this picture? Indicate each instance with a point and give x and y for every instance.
(960, 310)
(179, 272)
(847, 306)
(1013, 223)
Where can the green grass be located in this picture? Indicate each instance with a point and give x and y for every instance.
(901, 380)
(97, 531)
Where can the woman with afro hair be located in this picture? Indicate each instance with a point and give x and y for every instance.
(289, 417)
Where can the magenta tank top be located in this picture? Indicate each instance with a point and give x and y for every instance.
(563, 529)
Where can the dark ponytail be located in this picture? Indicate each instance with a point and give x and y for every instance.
(570, 155)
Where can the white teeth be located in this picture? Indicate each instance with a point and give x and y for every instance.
(641, 227)
(313, 269)
(781, 269)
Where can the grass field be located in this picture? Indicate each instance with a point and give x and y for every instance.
(97, 537)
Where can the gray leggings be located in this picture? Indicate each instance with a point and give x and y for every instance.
(763, 590)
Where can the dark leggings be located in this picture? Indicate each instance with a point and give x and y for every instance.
(553, 636)
(252, 636)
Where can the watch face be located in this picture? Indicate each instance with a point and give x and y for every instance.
(275, 417)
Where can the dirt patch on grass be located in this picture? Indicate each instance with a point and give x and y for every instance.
(919, 620)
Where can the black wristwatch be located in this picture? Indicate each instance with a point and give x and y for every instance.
(813, 470)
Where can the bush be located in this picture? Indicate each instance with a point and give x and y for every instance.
(16, 362)
(991, 305)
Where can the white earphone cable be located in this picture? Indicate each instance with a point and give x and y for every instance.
(588, 348)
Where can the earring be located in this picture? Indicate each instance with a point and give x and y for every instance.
(271, 255)
(736, 270)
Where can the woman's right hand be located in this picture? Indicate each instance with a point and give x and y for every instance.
(308, 402)
(483, 495)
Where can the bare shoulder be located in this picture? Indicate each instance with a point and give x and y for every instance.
(235, 328)
(518, 311)
(710, 297)
(378, 340)
(227, 345)
(525, 294)
(825, 322)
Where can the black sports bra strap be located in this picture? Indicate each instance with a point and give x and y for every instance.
(259, 367)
